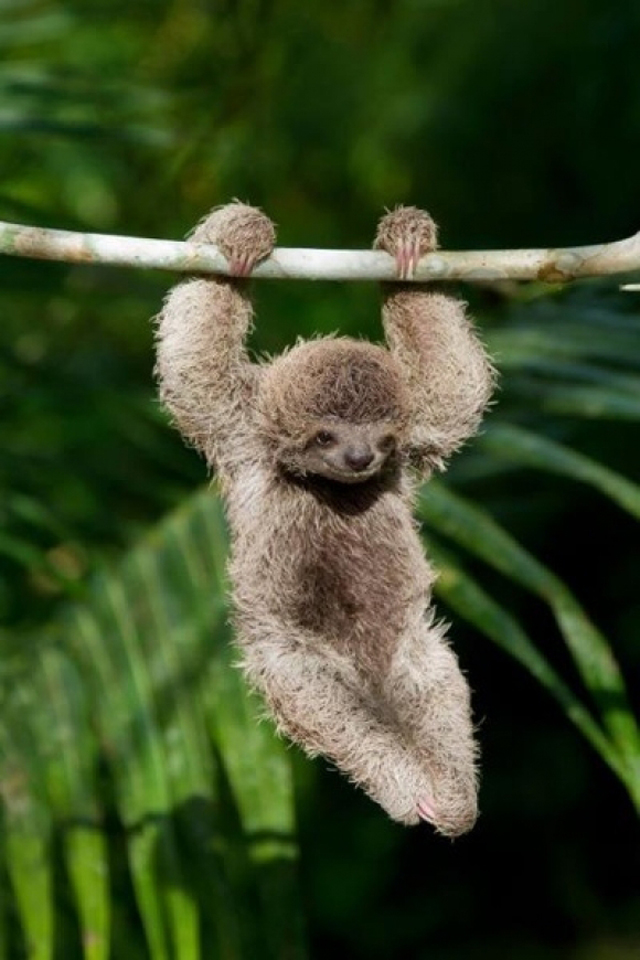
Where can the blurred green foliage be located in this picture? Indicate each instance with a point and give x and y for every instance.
(144, 812)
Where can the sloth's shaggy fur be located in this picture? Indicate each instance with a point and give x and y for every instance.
(332, 592)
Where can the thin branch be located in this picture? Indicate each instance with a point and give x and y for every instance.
(553, 266)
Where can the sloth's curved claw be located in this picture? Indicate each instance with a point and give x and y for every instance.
(427, 811)
(407, 257)
(242, 265)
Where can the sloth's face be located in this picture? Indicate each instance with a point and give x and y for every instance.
(347, 452)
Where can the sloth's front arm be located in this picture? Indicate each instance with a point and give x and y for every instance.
(206, 378)
(448, 372)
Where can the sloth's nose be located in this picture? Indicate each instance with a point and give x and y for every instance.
(358, 458)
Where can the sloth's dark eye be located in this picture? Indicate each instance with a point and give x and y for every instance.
(324, 438)
(387, 443)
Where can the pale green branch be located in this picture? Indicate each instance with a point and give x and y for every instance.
(549, 265)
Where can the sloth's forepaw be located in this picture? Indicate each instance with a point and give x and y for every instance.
(243, 234)
(408, 234)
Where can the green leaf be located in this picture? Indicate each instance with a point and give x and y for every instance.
(476, 531)
(140, 674)
(4, 918)
(591, 402)
(126, 722)
(27, 822)
(464, 596)
(24, 553)
(50, 748)
(30, 869)
(558, 372)
(255, 761)
(68, 758)
(528, 449)
(562, 340)
(153, 647)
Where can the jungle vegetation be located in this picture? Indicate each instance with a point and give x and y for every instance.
(144, 812)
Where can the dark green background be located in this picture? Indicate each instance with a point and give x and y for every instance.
(515, 124)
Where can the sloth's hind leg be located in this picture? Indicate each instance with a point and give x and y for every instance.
(315, 701)
(431, 699)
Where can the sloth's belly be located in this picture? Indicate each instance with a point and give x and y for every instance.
(350, 580)
(344, 591)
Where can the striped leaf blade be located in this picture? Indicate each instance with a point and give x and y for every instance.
(466, 597)
(528, 449)
(70, 765)
(27, 820)
(476, 531)
(153, 639)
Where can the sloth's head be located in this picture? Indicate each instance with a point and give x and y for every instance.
(334, 408)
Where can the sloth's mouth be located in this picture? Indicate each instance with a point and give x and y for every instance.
(328, 476)
(334, 474)
(350, 476)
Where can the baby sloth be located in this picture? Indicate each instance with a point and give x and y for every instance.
(318, 453)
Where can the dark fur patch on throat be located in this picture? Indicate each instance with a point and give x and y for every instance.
(346, 499)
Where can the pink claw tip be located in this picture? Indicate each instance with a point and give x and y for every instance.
(407, 257)
(426, 811)
(241, 266)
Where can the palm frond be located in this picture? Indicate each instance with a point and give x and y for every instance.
(476, 531)
(133, 694)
